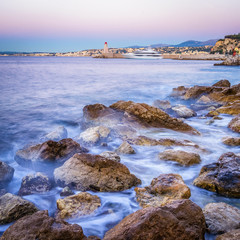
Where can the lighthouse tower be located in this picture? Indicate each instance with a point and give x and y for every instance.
(105, 49)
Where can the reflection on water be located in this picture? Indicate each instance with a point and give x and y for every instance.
(39, 94)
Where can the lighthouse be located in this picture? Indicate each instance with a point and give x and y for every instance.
(105, 49)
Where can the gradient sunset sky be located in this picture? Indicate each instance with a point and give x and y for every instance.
(72, 25)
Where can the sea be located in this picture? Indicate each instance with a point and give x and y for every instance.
(39, 94)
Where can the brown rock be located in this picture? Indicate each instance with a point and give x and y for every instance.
(77, 205)
(222, 83)
(222, 177)
(182, 220)
(92, 172)
(6, 173)
(235, 124)
(231, 235)
(196, 91)
(221, 217)
(13, 207)
(232, 108)
(179, 91)
(42, 227)
(163, 190)
(48, 152)
(182, 157)
(125, 148)
(231, 141)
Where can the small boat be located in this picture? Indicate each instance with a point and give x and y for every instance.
(144, 54)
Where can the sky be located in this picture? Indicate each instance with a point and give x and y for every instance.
(73, 25)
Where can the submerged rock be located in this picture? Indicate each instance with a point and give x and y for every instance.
(58, 134)
(182, 220)
(182, 157)
(231, 235)
(77, 205)
(235, 124)
(222, 177)
(221, 217)
(94, 134)
(42, 227)
(111, 155)
(183, 112)
(13, 207)
(231, 141)
(48, 152)
(92, 172)
(35, 183)
(66, 192)
(6, 173)
(162, 104)
(125, 148)
(163, 190)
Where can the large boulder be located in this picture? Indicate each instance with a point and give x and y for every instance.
(78, 205)
(222, 83)
(182, 220)
(182, 157)
(231, 141)
(13, 207)
(164, 189)
(92, 172)
(58, 134)
(196, 91)
(232, 108)
(6, 173)
(42, 227)
(221, 217)
(47, 153)
(35, 183)
(222, 177)
(235, 124)
(231, 235)
(183, 112)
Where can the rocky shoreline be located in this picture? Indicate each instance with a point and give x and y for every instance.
(167, 213)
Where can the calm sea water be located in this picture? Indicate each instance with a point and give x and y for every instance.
(39, 94)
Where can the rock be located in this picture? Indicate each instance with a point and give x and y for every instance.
(48, 152)
(213, 113)
(66, 192)
(221, 217)
(2, 192)
(182, 220)
(149, 116)
(125, 148)
(182, 157)
(35, 183)
(235, 124)
(13, 207)
(111, 155)
(230, 61)
(92, 172)
(58, 134)
(196, 91)
(183, 112)
(222, 83)
(232, 108)
(94, 134)
(204, 100)
(162, 104)
(6, 173)
(162, 190)
(222, 177)
(231, 141)
(179, 91)
(77, 205)
(231, 235)
(42, 227)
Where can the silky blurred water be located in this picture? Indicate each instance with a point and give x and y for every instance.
(39, 94)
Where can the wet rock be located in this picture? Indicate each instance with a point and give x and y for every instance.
(222, 83)
(42, 227)
(92, 172)
(183, 112)
(77, 205)
(58, 134)
(13, 207)
(231, 235)
(94, 134)
(221, 217)
(232, 108)
(222, 177)
(49, 152)
(111, 155)
(163, 190)
(66, 192)
(182, 157)
(196, 91)
(6, 173)
(212, 114)
(231, 141)
(235, 124)
(179, 91)
(204, 100)
(125, 148)
(151, 117)
(35, 183)
(182, 220)
(162, 104)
